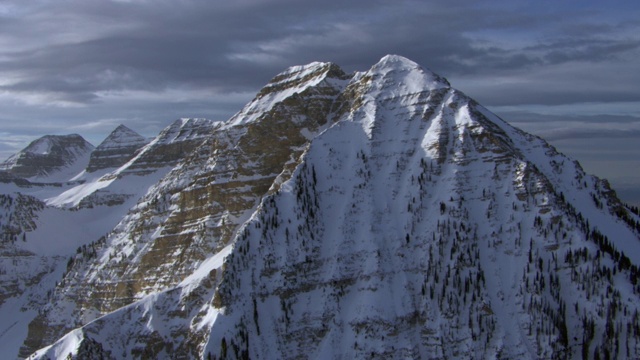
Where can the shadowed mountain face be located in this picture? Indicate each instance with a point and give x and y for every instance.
(381, 214)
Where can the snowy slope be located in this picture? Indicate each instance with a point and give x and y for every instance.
(156, 314)
(414, 224)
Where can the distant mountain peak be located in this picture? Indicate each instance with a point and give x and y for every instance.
(116, 149)
(47, 143)
(122, 135)
(288, 85)
(124, 129)
(50, 158)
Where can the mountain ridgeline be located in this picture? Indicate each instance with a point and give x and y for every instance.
(381, 214)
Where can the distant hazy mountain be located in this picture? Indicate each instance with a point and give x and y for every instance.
(118, 148)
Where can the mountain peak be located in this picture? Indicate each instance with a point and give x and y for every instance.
(397, 59)
(46, 144)
(118, 148)
(120, 135)
(300, 75)
(401, 70)
(122, 128)
(302, 70)
(289, 84)
(48, 155)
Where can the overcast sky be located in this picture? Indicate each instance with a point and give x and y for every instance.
(567, 70)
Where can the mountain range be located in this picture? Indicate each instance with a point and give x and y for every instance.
(378, 214)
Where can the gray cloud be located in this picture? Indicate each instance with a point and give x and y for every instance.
(111, 46)
(555, 127)
(532, 117)
(86, 65)
(579, 133)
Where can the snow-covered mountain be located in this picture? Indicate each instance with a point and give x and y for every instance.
(382, 214)
(51, 158)
(118, 148)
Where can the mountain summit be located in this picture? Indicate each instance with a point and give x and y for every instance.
(118, 148)
(382, 214)
(50, 158)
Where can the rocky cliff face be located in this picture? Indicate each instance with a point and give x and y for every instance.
(378, 215)
(49, 156)
(116, 150)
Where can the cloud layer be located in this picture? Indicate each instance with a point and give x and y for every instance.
(87, 65)
(74, 52)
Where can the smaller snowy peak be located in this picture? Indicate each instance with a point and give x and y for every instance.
(50, 155)
(396, 71)
(48, 144)
(324, 77)
(118, 148)
(122, 136)
(300, 72)
(302, 76)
